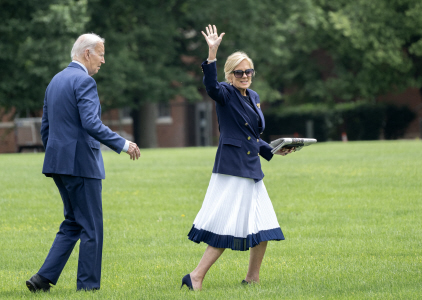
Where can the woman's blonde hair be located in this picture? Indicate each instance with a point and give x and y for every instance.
(233, 60)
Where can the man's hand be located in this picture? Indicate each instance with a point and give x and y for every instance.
(284, 151)
(133, 151)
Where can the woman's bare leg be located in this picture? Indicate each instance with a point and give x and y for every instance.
(210, 256)
(255, 260)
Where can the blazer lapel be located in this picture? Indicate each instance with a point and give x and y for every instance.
(259, 112)
(249, 114)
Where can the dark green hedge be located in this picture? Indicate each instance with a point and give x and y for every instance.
(359, 120)
(397, 120)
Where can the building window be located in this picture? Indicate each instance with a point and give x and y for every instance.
(125, 112)
(164, 113)
(163, 110)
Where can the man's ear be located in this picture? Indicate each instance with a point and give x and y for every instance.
(86, 54)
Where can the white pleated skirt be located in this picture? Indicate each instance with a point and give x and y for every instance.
(237, 213)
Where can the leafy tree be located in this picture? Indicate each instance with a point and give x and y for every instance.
(305, 51)
(143, 59)
(319, 50)
(245, 25)
(333, 50)
(35, 42)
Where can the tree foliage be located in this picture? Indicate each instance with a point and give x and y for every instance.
(306, 51)
(142, 52)
(332, 50)
(35, 41)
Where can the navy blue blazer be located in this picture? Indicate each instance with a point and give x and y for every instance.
(239, 146)
(71, 128)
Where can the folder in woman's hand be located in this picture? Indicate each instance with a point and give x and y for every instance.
(298, 143)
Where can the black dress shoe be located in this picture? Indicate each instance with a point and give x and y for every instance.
(36, 284)
(244, 282)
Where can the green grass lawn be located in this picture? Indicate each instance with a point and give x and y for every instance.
(351, 214)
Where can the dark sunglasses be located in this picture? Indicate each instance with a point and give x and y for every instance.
(239, 73)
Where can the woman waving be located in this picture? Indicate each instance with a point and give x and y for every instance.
(237, 212)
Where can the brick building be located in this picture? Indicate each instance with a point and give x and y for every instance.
(7, 132)
(178, 124)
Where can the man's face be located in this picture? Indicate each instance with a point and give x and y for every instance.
(95, 59)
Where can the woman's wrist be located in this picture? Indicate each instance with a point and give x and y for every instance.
(212, 54)
(212, 57)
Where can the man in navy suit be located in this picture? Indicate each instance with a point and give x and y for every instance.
(71, 133)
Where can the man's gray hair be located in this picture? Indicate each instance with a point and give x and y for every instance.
(85, 41)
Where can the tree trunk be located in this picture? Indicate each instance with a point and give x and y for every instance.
(144, 126)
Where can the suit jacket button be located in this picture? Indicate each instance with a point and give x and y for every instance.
(246, 124)
(249, 137)
(249, 152)
(257, 140)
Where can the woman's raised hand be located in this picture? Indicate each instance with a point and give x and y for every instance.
(212, 38)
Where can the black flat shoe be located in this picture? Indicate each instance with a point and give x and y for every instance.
(244, 282)
(187, 281)
(36, 284)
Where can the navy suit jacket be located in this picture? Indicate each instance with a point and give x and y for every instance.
(239, 146)
(71, 128)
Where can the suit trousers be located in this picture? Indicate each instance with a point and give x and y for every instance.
(83, 220)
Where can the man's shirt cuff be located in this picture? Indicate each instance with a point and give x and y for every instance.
(126, 146)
